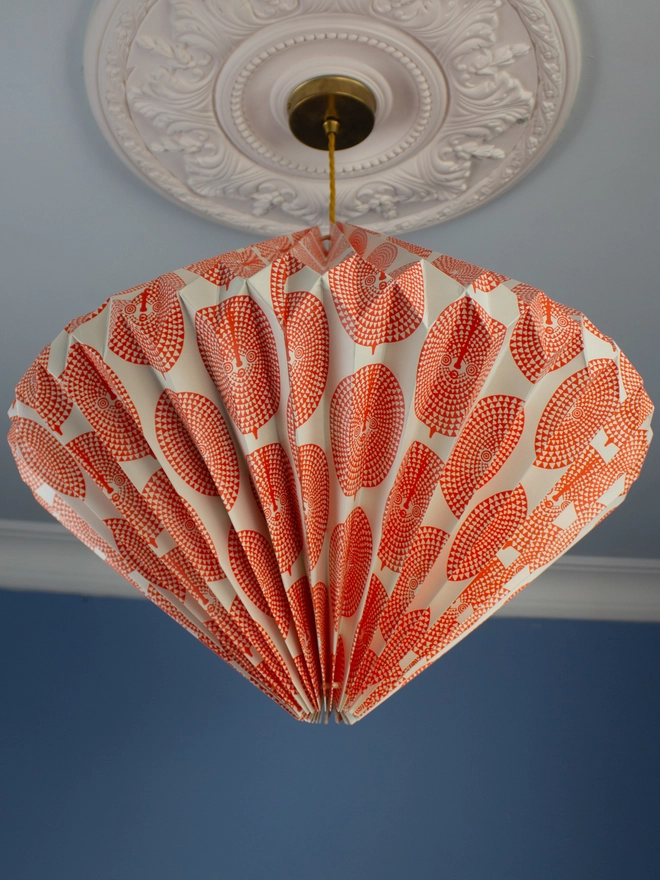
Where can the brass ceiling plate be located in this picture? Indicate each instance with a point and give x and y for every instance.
(341, 98)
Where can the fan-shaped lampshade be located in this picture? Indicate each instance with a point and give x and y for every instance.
(330, 467)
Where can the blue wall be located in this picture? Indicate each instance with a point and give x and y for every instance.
(130, 752)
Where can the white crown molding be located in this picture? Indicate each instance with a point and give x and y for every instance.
(470, 95)
(45, 557)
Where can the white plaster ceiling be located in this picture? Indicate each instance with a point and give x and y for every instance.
(76, 225)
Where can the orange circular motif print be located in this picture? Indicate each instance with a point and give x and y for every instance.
(179, 447)
(322, 619)
(206, 425)
(108, 474)
(414, 485)
(279, 246)
(307, 339)
(255, 567)
(214, 271)
(456, 357)
(486, 441)
(148, 328)
(374, 308)
(137, 556)
(359, 239)
(416, 249)
(421, 558)
(274, 483)
(184, 526)
(636, 409)
(42, 392)
(299, 423)
(485, 531)
(238, 349)
(369, 619)
(366, 419)
(576, 412)
(284, 268)
(546, 337)
(103, 401)
(244, 573)
(314, 479)
(409, 629)
(464, 273)
(382, 256)
(46, 457)
(300, 600)
(89, 537)
(351, 549)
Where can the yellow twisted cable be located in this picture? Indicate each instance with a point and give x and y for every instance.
(331, 127)
(333, 187)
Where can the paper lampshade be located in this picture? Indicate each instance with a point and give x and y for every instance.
(330, 467)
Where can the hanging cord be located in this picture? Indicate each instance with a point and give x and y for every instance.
(331, 127)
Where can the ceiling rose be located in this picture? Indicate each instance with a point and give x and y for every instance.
(469, 96)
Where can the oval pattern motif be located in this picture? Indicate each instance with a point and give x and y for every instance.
(330, 458)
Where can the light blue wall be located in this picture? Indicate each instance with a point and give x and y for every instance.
(130, 752)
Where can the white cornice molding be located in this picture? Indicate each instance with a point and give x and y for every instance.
(45, 557)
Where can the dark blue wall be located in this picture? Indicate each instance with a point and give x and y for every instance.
(130, 752)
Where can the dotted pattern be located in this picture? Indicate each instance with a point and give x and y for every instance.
(576, 411)
(148, 328)
(46, 457)
(42, 393)
(224, 500)
(489, 437)
(407, 502)
(366, 420)
(350, 560)
(314, 479)
(547, 336)
(275, 485)
(486, 529)
(455, 361)
(464, 273)
(372, 307)
(101, 398)
(238, 348)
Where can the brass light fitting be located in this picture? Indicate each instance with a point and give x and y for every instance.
(326, 104)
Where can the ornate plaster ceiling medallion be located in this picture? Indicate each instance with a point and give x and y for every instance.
(193, 95)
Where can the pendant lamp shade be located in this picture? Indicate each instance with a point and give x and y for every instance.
(330, 466)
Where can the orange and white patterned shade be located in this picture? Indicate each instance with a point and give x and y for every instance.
(330, 467)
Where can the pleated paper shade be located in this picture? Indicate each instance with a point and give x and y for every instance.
(330, 467)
